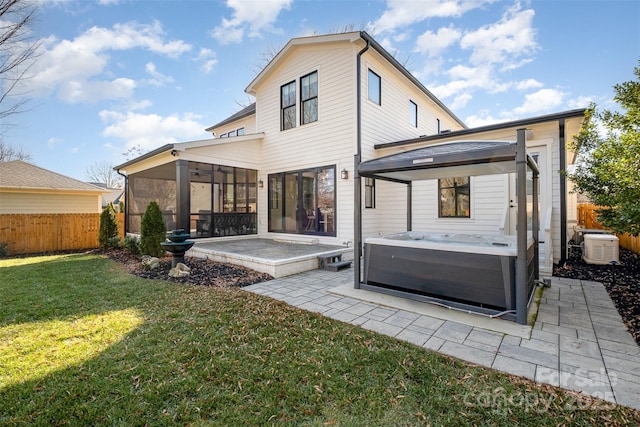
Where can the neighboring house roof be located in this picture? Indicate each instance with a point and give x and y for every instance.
(245, 112)
(113, 195)
(488, 128)
(351, 37)
(17, 174)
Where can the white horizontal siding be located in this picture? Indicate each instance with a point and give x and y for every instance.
(34, 203)
(326, 142)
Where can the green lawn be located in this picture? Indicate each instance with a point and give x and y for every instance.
(83, 343)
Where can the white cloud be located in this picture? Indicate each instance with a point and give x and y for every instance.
(251, 17)
(401, 13)
(157, 78)
(150, 131)
(505, 42)
(433, 43)
(580, 102)
(528, 84)
(483, 118)
(52, 142)
(208, 60)
(460, 101)
(540, 101)
(76, 68)
(84, 91)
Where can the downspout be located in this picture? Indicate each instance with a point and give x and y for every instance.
(357, 183)
(563, 192)
(126, 203)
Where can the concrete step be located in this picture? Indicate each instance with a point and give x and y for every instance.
(337, 265)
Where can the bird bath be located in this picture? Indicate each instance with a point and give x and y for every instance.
(177, 245)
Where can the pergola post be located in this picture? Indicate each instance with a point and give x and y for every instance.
(521, 233)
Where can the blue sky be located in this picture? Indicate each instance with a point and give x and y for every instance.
(116, 74)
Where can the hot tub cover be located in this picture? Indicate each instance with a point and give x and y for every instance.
(462, 158)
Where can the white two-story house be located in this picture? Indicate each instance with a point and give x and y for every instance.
(285, 165)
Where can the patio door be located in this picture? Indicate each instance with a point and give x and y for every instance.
(303, 202)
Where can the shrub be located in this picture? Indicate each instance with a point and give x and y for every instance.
(152, 231)
(4, 249)
(132, 244)
(108, 236)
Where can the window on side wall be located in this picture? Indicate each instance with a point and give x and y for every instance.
(454, 197)
(375, 88)
(413, 114)
(223, 135)
(288, 105)
(369, 193)
(240, 132)
(309, 98)
(232, 133)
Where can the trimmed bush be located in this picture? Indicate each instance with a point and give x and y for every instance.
(132, 244)
(108, 236)
(152, 231)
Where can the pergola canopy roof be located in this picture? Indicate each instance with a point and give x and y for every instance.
(462, 158)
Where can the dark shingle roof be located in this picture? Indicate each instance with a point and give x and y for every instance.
(246, 111)
(19, 174)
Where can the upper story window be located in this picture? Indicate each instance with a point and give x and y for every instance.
(240, 132)
(413, 114)
(288, 105)
(223, 135)
(375, 88)
(455, 197)
(232, 133)
(309, 98)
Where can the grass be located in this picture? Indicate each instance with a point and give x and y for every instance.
(84, 343)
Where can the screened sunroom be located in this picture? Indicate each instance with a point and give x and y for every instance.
(207, 200)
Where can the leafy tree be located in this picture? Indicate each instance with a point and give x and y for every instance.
(108, 235)
(152, 231)
(608, 168)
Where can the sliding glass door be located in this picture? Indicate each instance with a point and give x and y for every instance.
(303, 202)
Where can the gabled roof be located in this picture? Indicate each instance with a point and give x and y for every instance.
(17, 174)
(348, 37)
(245, 112)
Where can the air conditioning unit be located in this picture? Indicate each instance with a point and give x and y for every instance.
(601, 249)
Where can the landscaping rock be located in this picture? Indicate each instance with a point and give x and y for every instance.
(180, 270)
(150, 262)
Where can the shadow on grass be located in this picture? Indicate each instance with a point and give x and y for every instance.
(227, 357)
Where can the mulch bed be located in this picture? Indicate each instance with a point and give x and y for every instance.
(203, 272)
(621, 281)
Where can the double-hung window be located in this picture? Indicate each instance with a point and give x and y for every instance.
(375, 88)
(288, 105)
(455, 197)
(309, 98)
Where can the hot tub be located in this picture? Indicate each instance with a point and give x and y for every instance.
(476, 270)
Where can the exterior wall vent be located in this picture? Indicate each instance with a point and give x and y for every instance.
(601, 249)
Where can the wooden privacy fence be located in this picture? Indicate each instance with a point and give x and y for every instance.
(35, 233)
(587, 218)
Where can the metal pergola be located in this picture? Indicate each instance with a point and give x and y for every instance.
(463, 158)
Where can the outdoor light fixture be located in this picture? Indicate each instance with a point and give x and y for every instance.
(260, 183)
(344, 174)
